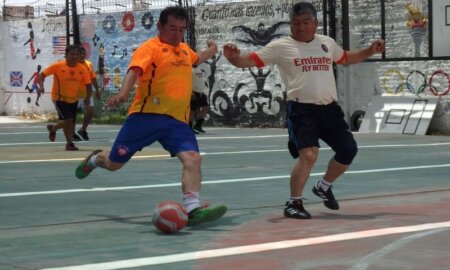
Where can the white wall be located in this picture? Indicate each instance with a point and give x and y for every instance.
(441, 31)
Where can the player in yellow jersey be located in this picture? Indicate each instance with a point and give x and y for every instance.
(89, 110)
(68, 77)
(160, 111)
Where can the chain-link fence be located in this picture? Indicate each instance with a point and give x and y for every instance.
(13, 10)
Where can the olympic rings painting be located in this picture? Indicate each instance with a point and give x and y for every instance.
(416, 82)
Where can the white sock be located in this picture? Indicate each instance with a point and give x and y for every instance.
(91, 161)
(191, 200)
(292, 199)
(324, 184)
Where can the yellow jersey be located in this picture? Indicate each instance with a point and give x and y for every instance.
(88, 65)
(67, 81)
(165, 85)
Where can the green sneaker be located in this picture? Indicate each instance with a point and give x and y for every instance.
(201, 215)
(83, 169)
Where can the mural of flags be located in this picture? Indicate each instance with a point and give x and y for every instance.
(16, 79)
(59, 44)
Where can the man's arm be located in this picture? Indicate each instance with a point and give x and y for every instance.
(354, 57)
(127, 85)
(207, 53)
(233, 54)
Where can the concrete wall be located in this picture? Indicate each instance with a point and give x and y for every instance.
(238, 97)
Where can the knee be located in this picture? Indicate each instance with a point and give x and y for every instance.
(346, 153)
(192, 160)
(309, 155)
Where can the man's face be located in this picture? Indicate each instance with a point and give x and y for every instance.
(82, 56)
(72, 57)
(173, 31)
(303, 27)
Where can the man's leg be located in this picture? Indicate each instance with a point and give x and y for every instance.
(334, 170)
(191, 184)
(98, 158)
(302, 169)
(299, 176)
(88, 115)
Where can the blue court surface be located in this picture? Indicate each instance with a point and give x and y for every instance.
(394, 205)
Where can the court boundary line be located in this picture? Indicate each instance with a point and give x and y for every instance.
(206, 153)
(255, 248)
(222, 181)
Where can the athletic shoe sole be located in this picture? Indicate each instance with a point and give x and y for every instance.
(207, 215)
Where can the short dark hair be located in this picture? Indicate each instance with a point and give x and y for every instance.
(176, 11)
(303, 8)
(71, 48)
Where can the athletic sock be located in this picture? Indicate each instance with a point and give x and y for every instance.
(324, 184)
(191, 200)
(292, 199)
(91, 161)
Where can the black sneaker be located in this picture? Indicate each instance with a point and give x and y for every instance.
(83, 134)
(76, 138)
(296, 210)
(327, 196)
(198, 129)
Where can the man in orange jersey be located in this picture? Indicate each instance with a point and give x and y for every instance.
(160, 111)
(68, 77)
(89, 110)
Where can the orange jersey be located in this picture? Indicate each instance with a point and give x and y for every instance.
(165, 85)
(67, 81)
(88, 65)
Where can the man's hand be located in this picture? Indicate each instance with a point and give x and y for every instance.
(377, 46)
(230, 51)
(212, 45)
(97, 94)
(115, 101)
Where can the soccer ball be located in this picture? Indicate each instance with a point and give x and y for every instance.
(169, 217)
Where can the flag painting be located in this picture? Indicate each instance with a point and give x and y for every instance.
(59, 44)
(16, 78)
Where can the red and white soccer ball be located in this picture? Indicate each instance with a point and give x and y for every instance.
(169, 217)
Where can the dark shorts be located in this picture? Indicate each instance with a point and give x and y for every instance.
(199, 100)
(66, 110)
(307, 123)
(143, 129)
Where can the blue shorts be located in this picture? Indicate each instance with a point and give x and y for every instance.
(143, 129)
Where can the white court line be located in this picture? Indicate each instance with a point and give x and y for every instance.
(223, 181)
(203, 153)
(248, 249)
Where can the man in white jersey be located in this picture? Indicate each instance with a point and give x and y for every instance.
(199, 100)
(305, 60)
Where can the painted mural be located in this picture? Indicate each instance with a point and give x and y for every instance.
(28, 47)
(110, 40)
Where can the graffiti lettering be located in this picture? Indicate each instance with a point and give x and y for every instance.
(53, 26)
(206, 31)
(222, 13)
(264, 10)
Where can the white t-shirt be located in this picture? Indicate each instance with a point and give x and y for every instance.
(198, 80)
(306, 68)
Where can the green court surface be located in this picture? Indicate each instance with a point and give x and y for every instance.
(394, 205)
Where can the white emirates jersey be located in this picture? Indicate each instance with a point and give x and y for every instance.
(306, 68)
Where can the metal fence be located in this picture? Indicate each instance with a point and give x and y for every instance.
(13, 10)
